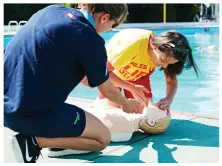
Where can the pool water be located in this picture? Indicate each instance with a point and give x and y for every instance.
(197, 95)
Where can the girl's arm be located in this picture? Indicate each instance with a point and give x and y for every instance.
(171, 88)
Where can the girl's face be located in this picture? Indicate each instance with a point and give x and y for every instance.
(104, 23)
(164, 60)
(161, 59)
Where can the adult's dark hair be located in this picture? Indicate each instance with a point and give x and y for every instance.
(114, 10)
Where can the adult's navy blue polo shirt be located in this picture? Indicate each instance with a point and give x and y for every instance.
(48, 57)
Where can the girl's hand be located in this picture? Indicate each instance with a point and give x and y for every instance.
(164, 104)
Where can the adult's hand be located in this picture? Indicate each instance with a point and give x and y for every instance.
(130, 106)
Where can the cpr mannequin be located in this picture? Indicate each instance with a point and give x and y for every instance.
(122, 125)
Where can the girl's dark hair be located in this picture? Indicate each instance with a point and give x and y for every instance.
(175, 45)
(114, 10)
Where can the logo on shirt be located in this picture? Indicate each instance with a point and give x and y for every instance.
(134, 71)
(70, 15)
(137, 65)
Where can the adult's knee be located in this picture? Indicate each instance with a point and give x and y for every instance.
(104, 138)
(97, 131)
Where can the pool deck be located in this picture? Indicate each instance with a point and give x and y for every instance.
(190, 138)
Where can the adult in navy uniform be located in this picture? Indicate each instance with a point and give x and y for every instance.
(43, 62)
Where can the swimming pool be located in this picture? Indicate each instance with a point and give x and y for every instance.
(196, 95)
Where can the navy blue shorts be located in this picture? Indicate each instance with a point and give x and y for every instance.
(64, 121)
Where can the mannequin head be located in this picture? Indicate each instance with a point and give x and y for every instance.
(155, 120)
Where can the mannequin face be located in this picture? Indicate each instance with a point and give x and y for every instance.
(153, 118)
(152, 114)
